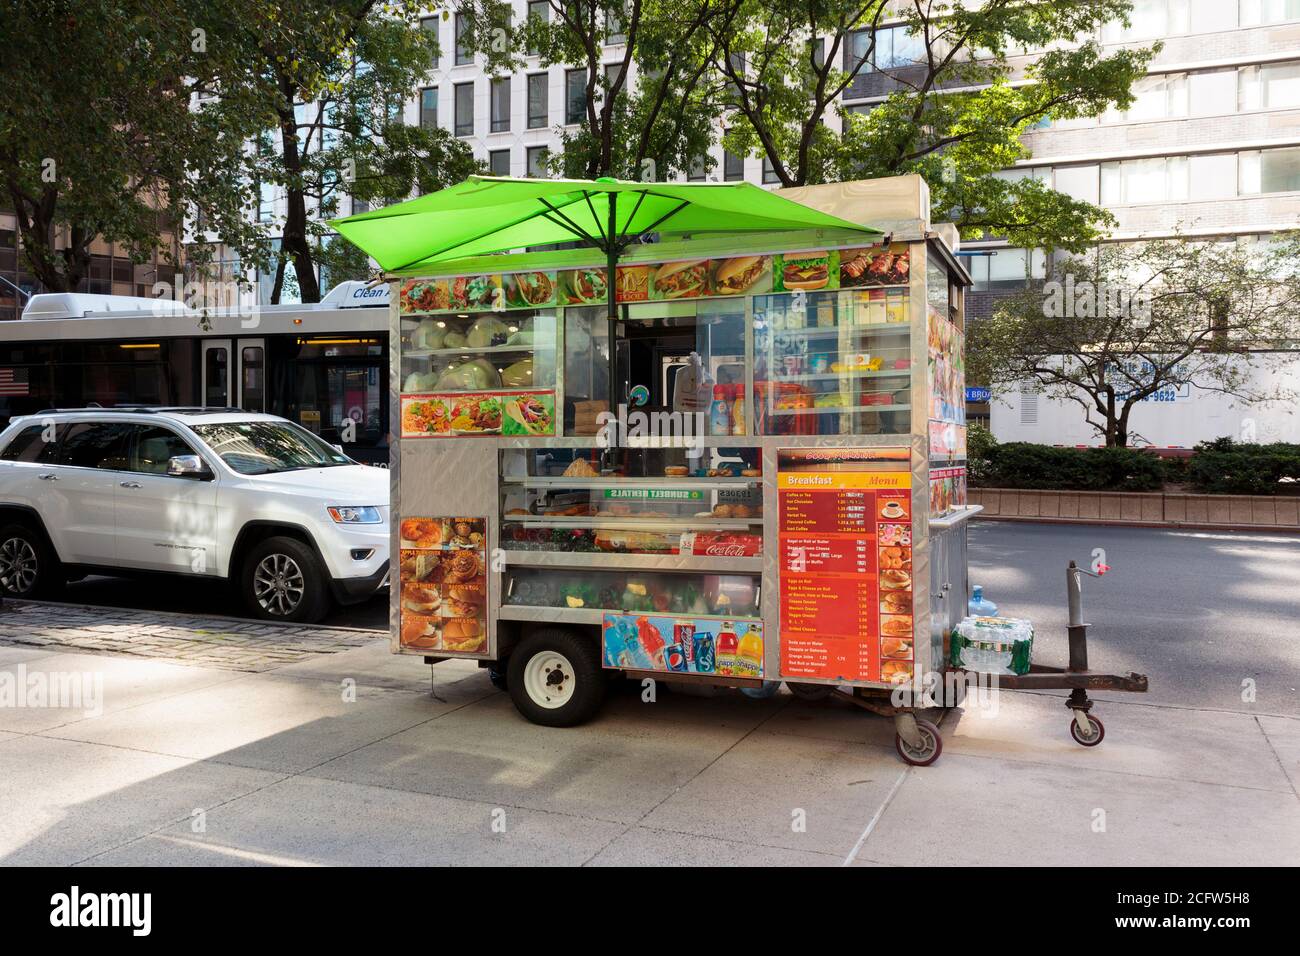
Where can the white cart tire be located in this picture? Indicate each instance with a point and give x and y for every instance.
(555, 679)
(1095, 734)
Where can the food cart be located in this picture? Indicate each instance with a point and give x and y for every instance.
(726, 448)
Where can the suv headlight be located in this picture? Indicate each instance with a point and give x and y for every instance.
(349, 514)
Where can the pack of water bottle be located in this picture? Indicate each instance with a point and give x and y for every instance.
(992, 645)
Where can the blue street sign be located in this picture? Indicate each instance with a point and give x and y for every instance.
(978, 394)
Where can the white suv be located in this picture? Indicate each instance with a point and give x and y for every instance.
(220, 493)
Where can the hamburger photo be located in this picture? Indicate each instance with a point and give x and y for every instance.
(734, 276)
(420, 598)
(806, 273)
(680, 280)
(419, 631)
(897, 627)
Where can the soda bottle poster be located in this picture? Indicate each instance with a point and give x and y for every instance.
(686, 645)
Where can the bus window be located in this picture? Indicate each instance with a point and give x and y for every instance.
(252, 370)
(216, 391)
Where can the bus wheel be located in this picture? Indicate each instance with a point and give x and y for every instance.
(555, 679)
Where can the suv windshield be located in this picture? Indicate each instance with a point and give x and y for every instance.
(260, 448)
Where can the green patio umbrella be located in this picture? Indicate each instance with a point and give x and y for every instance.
(486, 214)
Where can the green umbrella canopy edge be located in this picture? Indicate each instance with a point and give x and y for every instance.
(486, 214)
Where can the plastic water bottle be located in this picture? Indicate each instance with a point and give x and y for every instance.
(978, 606)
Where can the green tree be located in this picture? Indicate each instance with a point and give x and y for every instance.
(662, 122)
(324, 82)
(97, 138)
(1113, 327)
(958, 97)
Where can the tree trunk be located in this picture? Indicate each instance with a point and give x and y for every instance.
(293, 242)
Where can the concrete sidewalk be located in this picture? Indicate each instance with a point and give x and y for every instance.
(344, 756)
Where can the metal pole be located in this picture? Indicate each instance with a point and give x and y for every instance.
(1077, 630)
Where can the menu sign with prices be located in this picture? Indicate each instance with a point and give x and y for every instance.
(845, 535)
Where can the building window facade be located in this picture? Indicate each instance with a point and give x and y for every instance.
(499, 162)
(429, 107)
(464, 109)
(575, 96)
(500, 96)
(538, 110)
(537, 156)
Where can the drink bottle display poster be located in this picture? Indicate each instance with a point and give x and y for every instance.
(845, 536)
(688, 645)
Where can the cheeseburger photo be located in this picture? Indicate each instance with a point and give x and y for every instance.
(806, 273)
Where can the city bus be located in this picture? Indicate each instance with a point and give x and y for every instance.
(319, 365)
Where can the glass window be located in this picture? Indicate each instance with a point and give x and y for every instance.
(1080, 182)
(465, 109)
(538, 111)
(898, 47)
(1158, 97)
(1150, 19)
(488, 350)
(252, 378)
(733, 167)
(1269, 87)
(1212, 177)
(818, 51)
(538, 10)
(500, 94)
(830, 363)
(1270, 171)
(463, 55)
(499, 162)
(215, 361)
(260, 448)
(1160, 179)
(95, 445)
(769, 172)
(698, 171)
(615, 27)
(30, 445)
(153, 447)
(537, 159)
(575, 96)
(429, 107)
(1261, 12)
(586, 368)
(612, 72)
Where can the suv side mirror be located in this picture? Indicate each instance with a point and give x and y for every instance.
(188, 466)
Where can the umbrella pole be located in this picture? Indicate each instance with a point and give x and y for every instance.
(611, 314)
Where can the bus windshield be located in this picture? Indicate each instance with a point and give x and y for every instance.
(261, 448)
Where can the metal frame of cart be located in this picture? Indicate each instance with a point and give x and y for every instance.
(470, 475)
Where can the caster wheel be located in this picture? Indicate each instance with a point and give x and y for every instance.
(1096, 732)
(498, 678)
(810, 692)
(931, 745)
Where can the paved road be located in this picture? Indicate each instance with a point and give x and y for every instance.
(189, 596)
(1200, 612)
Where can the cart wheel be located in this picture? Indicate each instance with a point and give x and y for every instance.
(1096, 731)
(810, 692)
(931, 746)
(554, 677)
(497, 675)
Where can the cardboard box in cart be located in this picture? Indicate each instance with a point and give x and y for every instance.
(807, 525)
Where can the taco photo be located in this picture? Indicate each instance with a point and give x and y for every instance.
(584, 287)
(531, 414)
(530, 289)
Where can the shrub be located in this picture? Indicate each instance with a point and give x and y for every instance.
(1224, 467)
(979, 446)
(1043, 467)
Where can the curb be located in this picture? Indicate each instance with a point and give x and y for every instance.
(1159, 525)
(23, 602)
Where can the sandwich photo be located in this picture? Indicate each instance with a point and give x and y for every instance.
(896, 627)
(893, 579)
(462, 634)
(680, 280)
(896, 602)
(462, 601)
(734, 276)
(894, 671)
(806, 273)
(420, 598)
(898, 648)
(419, 631)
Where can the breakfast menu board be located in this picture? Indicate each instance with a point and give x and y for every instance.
(443, 577)
(845, 535)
